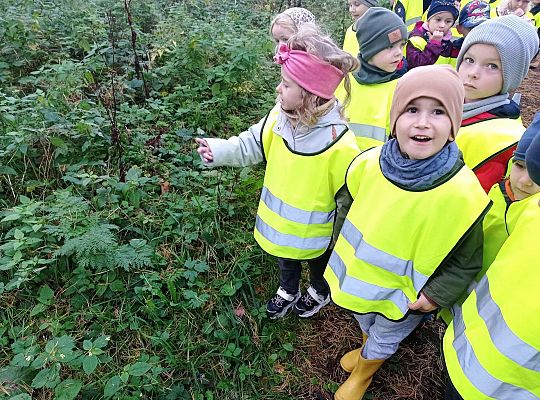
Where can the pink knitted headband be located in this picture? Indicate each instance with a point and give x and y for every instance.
(309, 72)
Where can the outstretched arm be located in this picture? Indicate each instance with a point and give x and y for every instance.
(237, 151)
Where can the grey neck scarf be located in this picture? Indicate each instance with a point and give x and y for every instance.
(478, 107)
(416, 174)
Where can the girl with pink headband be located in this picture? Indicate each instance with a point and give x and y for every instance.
(307, 147)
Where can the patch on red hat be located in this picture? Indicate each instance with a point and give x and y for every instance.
(395, 36)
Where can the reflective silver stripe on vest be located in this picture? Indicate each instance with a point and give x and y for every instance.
(283, 239)
(293, 213)
(476, 373)
(412, 20)
(379, 258)
(364, 290)
(369, 131)
(506, 341)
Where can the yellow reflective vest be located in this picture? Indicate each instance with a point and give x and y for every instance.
(536, 19)
(297, 206)
(350, 43)
(499, 223)
(414, 9)
(369, 111)
(393, 239)
(420, 43)
(484, 140)
(492, 347)
(494, 226)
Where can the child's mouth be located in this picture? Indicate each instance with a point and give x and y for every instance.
(421, 138)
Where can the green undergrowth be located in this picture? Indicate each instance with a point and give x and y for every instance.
(126, 269)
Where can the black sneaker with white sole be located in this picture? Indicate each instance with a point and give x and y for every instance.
(281, 303)
(310, 303)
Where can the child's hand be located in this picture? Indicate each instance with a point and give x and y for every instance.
(423, 304)
(204, 151)
(436, 36)
(519, 12)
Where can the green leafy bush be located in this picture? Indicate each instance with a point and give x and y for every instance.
(126, 270)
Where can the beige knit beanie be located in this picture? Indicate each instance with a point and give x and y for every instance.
(440, 82)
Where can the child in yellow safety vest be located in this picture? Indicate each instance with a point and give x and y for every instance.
(492, 347)
(357, 8)
(287, 23)
(381, 35)
(401, 251)
(507, 196)
(307, 147)
(493, 60)
(410, 11)
(430, 42)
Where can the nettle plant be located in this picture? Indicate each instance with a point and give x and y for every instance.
(59, 356)
(26, 249)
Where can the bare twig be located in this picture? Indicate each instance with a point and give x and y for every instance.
(138, 69)
(111, 106)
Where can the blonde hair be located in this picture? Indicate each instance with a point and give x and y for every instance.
(285, 22)
(292, 19)
(310, 40)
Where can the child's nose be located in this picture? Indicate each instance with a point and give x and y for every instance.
(422, 119)
(473, 71)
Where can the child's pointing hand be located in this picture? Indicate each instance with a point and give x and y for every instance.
(204, 150)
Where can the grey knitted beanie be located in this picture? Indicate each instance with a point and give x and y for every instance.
(516, 41)
(377, 29)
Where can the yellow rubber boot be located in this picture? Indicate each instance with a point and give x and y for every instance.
(361, 376)
(350, 359)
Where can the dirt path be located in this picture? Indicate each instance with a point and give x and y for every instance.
(416, 371)
(530, 90)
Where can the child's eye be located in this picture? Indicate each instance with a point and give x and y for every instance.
(412, 109)
(439, 111)
(517, 164)
(468, 60)
(493, 66)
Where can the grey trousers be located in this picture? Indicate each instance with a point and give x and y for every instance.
(384, 336)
